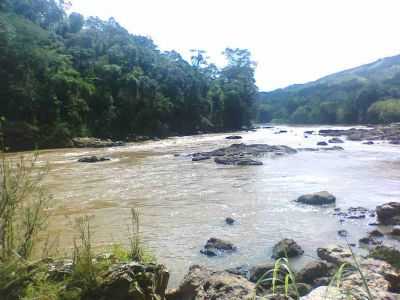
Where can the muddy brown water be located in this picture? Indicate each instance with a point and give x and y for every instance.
(183, 203)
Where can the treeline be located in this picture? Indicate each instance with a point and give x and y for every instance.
(63, 76)
(367, 94)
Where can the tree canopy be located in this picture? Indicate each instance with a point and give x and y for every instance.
(64, 76)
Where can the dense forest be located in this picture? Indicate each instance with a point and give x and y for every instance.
(366, 94)
(63, 75)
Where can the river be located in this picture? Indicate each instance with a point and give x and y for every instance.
(183, 203)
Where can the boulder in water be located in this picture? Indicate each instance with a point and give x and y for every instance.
(93, 159)
(389, 213)
(320, 198)
(216, 247)
(286, 248)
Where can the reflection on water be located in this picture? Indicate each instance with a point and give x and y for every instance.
(183, 203)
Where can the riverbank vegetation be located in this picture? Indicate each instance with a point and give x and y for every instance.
(64, 76)
(29, 265)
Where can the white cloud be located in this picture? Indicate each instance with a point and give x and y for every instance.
(293, 41)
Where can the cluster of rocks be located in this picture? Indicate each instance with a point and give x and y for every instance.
(378, 133)
(354, 213)
(313, 282)
(242, 154)
(89, 142)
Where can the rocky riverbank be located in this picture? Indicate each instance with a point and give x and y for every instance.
(390, 133)
(336, 272)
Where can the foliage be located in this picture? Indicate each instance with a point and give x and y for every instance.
(65, 76)
(23, 207)
(353, 96)
(386, 111)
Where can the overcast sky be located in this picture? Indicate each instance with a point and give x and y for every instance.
(293, 41)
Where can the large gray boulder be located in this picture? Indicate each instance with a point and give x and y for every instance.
(389, 213)
(312, 271)
(320, 198)
(202, 283)
(216, 247)
(286, 248)
(134, 281)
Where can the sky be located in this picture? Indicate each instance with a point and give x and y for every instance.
(292, 41)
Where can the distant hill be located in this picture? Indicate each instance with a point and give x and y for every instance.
(343, 97)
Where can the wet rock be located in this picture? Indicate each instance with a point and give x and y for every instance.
(369, 241)
(237, 161)
(258, 271)
(355, 213)
(320, 198)
(308, 149)
(242, 154)
(335, 140)
(383, 133)
(216, 247)
(309, 131)
(88, 142)
(321, 281)
(286, 248)
(375, 233)
(343, 233)
(134, 281)
(334, 148)
(280, 131)
(229, 221)
(322, 144)
(234, 137)
(395, 232)
(200, 158)
(241, 270)
(369, 143)
(335, 254)
(312, 271)
(389, 213)
(201, 283)
(93, 159)
(357, 136)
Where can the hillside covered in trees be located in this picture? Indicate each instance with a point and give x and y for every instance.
(366, 94)
(63, 76)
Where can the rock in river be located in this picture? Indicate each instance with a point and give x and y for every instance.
(93, 159)
(234, 137)
(335, 140)
(320, 198)
(389, 213)
(312, 271)
(238, 161)
(286, 248)
(229, 221)
(322, 144)
(244, 155)
(216, 247)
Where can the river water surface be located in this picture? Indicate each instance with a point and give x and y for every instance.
(183, 203)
